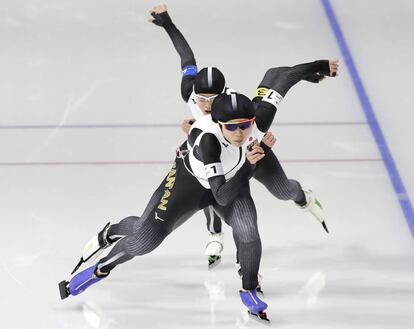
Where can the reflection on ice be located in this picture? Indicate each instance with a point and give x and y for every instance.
(311, 290)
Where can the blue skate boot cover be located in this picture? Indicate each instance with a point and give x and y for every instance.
(252, 302)
(83, 280)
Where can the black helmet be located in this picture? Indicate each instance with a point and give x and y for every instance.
(209, 81)
(228, 107)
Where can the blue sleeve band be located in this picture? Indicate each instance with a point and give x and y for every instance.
(189, 70)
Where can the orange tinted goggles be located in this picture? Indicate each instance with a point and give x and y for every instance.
(233, 125)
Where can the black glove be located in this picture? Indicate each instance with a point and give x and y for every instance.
(162, 19)
(314, 78)
(265, 147)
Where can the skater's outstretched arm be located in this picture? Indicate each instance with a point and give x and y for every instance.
(161, 17)
(223, 192)
(266, 109)
(282, 79)
(277, 82)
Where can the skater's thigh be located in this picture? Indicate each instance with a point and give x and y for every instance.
(148, 237)
(179, 200)
(269, 168)
(179, 196)
(241, 215)
(185, 194)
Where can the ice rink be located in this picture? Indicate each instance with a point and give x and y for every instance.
(90, 114)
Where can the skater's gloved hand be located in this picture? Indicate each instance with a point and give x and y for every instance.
(186, 125)
(254, 153)
(327, 68)
(314, 78)
(333, 67)
(160, 16)
(268, 140)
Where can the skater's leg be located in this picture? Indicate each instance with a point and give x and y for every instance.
(123, 228)
(270, 173)
(242, 218)
(237, 243)
(130, 225)
(148, 237)
(173, 208)
(180, 198)
(144, 239)
(112, 233)
(154, 201)
(213, 220)
(238, 266)
(105, 238)
(214, 245)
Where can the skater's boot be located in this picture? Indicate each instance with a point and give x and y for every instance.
(214, 248)
(259, 278)
(80, 282)
(314, 207)
(255, 305)
(95, 247)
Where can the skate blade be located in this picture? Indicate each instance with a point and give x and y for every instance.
(63, 290)
(325, 227)
(213, 264)
(81, 261)
(260, 317)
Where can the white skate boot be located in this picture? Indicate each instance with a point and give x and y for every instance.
(314, 207)
(214, 248)
(94, 247)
